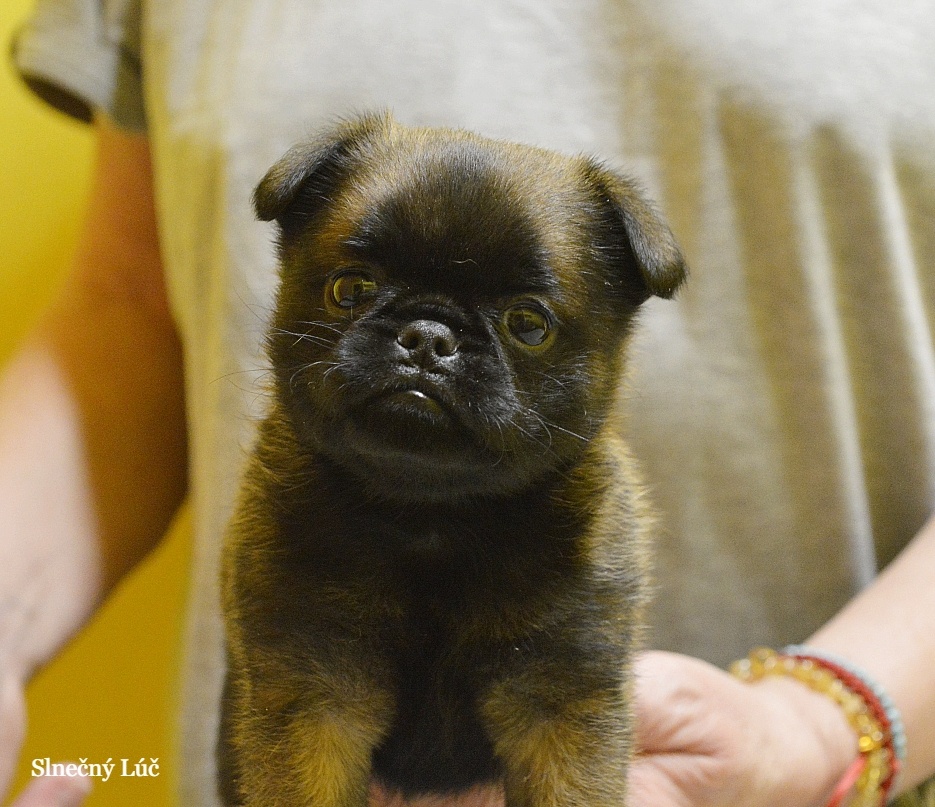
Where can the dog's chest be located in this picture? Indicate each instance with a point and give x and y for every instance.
(436, 741)
(443, 604)
(440, 633)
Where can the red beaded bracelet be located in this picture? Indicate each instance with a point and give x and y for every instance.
(873, 772)
(858, 687)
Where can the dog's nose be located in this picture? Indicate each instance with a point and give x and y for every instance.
(427, 340)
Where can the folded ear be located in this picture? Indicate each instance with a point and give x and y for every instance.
(297, 186)
(637, 234)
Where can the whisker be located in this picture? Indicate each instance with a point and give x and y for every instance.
(259, 371)
(318, 340)
(303, 367)
(543, 421)
(536, 440)
(568, 432)
(326, 325)
(330, 370)
(553, 379)
(292, 377)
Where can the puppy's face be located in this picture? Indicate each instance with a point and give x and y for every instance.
(452, 309)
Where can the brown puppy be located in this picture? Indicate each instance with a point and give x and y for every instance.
(435, 571)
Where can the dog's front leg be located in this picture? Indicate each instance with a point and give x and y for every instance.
(307, 742)
(559, 748)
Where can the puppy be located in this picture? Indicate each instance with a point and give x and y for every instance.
(435, 571)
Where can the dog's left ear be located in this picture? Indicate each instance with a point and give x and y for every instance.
(637, 234)
(303, 181)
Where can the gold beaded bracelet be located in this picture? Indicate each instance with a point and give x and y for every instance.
(873, 771)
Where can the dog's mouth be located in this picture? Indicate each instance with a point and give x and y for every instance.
(418, 435)
(417, 401)
(412, 420)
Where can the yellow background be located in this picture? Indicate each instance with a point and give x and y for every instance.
(112, 691)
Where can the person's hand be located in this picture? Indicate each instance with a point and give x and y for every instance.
(41, 792)
(705, 739)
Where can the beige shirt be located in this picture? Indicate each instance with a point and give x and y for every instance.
(781, 406)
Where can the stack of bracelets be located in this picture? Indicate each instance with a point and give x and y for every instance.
(881, 740)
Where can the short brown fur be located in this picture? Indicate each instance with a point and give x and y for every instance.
(436, 569)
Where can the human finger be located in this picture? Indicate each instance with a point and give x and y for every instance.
(55, 791)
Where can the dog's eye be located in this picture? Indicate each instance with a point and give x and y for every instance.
(349, 288)
(527, 324)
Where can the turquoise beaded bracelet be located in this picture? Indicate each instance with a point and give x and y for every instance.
(897, 730)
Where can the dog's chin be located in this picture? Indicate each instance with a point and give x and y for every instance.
(411, 445)
(410, 423)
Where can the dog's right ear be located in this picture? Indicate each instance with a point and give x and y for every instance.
(296, 187)
(636, 237)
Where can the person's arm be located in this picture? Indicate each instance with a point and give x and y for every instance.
(92, 430)
(889, 631)
(707, 740)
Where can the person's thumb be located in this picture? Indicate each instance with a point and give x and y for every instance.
(58, 791)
